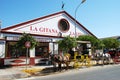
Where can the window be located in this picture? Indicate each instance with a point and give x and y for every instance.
(63, 25)
(42, 50)
(13, 52)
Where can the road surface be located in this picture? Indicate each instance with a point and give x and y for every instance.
(106, 72)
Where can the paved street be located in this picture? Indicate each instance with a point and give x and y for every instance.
(107, 72)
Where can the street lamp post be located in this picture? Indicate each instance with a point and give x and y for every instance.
(75, 15)
(0, 28)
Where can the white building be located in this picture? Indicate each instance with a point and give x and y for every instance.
(47, 30)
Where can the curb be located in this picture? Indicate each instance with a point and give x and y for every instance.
(12, 76)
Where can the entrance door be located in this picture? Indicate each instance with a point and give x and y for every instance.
(42, 50)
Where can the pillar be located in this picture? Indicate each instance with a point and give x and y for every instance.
(32, 56)
(2, 52)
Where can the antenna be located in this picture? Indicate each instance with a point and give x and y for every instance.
(63, 4)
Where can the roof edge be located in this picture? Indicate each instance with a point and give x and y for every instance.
(32, 20)
(29, 21)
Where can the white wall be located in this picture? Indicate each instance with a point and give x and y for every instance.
(2, 49)
(32, 52)
(53, 47)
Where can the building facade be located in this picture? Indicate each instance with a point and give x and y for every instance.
(46, 30)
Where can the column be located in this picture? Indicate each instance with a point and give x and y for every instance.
(2, 52)
(32, 56)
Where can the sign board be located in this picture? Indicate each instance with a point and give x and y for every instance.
(27, 44)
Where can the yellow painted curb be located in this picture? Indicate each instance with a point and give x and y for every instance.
(32, 71)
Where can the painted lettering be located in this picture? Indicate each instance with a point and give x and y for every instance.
(36, 29)
(41, 29)
(77, 33)
(30, 28)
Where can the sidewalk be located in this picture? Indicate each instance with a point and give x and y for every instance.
(11, 73)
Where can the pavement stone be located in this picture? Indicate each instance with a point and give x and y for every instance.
(11, 73)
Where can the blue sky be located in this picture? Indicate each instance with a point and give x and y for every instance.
(101, 17)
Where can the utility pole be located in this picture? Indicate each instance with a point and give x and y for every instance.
(0, 28)
(75, 15)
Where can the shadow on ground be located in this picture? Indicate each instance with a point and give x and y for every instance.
(51, 70)
(5, 66)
